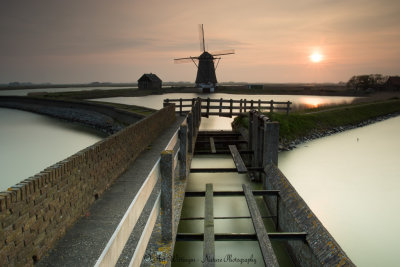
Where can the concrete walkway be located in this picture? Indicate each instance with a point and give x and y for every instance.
(84, 242)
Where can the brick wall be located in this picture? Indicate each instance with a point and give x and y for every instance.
(320, 248)
(37, 211)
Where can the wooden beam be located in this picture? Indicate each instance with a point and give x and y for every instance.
(208, 244)
(203, 170)
(262, 236)
(242, 236)
(217, 133)
(240, 166)
(225, 218)
(234, 141)
(205, 152)
(232, 193)
(212, 145)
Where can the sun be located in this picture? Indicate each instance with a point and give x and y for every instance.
(316, 57)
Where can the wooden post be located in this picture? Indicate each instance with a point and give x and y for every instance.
(190, 132)
(245, 105)
(250, 144)
(220, 106)
(267, 251)
(180, 106)
(251, 106)
(240, 106)
(183, 151)
(167, 195)
(259, 105)
(288, 107)
(270, 143)
(208, 244)
(277, 212)
(199, 111)
(195, 117)
(208, 106)
(231, 106)
(166, 102)
(255, 143)
(259, 147)
(271, 107)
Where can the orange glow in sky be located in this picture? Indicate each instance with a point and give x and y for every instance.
(274, 41)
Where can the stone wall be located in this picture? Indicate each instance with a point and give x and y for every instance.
(320, 248)
(38, 211)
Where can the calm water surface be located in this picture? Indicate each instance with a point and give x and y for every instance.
(30, 142)
(351, 181)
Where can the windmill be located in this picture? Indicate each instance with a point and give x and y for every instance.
(205, 63)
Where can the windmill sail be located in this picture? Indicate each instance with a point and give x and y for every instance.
(201, 38)
(223, 52)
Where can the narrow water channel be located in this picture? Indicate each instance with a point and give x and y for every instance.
(227, 253)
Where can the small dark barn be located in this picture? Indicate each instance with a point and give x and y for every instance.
(393, 83)
(149, 82)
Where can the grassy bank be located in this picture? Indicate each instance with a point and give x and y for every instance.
(304, 123)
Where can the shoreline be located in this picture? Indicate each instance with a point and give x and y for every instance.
(287, 146)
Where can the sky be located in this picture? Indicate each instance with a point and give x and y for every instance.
(80, 41)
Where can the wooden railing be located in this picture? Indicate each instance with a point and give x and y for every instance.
(179, 148)
(228, 107)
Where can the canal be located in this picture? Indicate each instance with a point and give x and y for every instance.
(31, 142)
(350, 180)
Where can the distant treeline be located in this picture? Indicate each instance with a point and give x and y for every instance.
(373, 82)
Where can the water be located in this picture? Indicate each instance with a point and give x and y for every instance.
(227, 253)
(30, 142)
(351, 182)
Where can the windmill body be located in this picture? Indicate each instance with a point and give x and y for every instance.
(206, 77)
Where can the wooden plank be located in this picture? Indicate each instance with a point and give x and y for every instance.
(225, 218)
(197, 152)
(240, 166)
(242, 236)
(224, 141)
(232, 193)
(208, 244)
(212, 145)
(203, 170)
(116, 244)
(262, 235)
(145, 237)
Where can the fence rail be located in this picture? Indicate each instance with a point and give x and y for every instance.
(228, 107)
